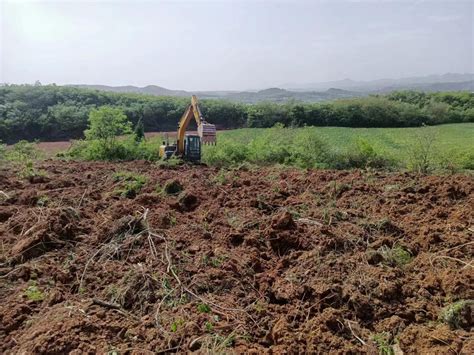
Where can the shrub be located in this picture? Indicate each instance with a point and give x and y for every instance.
(455, 161)
(310, 152)
(362, 155)
(271, 147)
(226, 154)
(467, 161)
(22, 155)
(126, 148)
(171, 163)
(103, 141)
(23, 151)
(303, 148)
(421, 151)
(105, 125)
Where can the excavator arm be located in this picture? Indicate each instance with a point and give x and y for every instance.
(206, 131)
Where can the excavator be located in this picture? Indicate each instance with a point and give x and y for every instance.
(188, 146)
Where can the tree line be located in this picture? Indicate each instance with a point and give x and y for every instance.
(58, 113)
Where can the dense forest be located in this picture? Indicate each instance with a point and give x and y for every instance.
(57, 113)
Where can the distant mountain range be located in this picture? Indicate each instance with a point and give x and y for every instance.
(271, 94)
(428, 83)
(313, 92)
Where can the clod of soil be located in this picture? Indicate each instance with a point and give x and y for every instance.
(37, 179)
(281, 235)
(172, 187)
(187, 201)
(283, 221)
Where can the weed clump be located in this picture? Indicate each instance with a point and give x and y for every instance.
(395, 256)
(33, 293)
(383, 344)
(458, 315)
(176, 325)
(43, 201)
(131, 184)
(171, 163)
(203, 308)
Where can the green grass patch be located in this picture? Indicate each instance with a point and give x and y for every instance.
(33, 293)
(383, 344)
(422, 149)
(130, 183)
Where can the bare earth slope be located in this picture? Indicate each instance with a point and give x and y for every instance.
(248, 261)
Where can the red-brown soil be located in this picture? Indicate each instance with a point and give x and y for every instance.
(251, 261)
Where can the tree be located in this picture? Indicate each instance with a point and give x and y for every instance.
(105, 125)
(139, 131)
(438, 111)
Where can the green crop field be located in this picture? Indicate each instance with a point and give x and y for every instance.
(450, 145)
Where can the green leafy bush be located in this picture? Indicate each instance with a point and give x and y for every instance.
(23, 156)
(361, 155)
(421, 151)
(126, 148)
(105, 125)
(310, 151)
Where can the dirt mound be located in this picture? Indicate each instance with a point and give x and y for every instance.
(264, 261)
(172, 187)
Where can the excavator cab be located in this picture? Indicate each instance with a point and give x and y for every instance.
(192, 147)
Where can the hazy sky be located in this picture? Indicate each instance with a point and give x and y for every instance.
(228, 44)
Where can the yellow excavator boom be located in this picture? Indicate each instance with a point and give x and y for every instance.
(206, 131)
(188, 146)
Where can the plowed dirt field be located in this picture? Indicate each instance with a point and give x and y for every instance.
(248, 261)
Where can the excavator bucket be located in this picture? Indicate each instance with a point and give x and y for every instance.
(207, 132)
